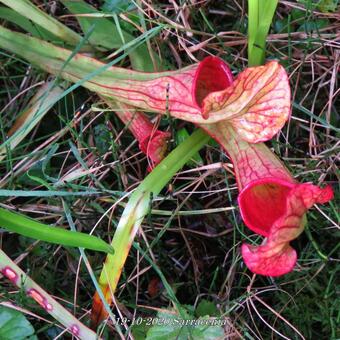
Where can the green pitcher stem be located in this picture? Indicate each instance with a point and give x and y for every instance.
(52, 59)
(247, 157)
(138, 206)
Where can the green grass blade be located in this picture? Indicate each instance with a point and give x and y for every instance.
(315, 117)
(14, 17)
(89, 268)
(45, 193)
(106, 34)
(139, 204)
(52, 58)
(31, 116)
(31, 228)
(260, 16)
(30, 11)
(253, 22)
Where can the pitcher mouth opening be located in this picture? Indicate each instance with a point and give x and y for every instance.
(212, 75)
(262, 202)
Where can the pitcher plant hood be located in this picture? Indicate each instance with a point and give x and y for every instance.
(272, 203)
(202, 93)
(284, 206)
(250, 109)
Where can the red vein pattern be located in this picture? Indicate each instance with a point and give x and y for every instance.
(275, 256)
(164, 94)
(271, 202)
(152, 142)
(257, 103)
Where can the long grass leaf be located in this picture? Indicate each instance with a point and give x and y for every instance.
(134, 213)
(253, 22)
(31, 116)
(52, 59)
(260, 16)
(44, 193)
(37, 31)
(30, 11)
(28, 227)
(106, 34)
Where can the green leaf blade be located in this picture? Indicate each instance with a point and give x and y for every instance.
(14, 325)
(28, 227)
(105, 33)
